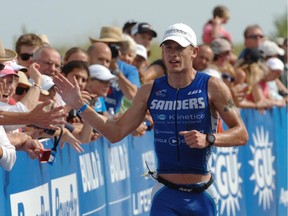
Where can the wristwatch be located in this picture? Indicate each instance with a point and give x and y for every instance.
(210, 139)
(116, 72)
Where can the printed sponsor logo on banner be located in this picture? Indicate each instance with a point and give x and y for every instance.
(262, 163)
(65, 196)
(119, 163)
(91, 171)
(283, 197)
(141, 201)
(226, 169)
(31, 202)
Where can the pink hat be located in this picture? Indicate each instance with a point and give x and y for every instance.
(7, 70)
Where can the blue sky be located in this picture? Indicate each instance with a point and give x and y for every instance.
(71, 22)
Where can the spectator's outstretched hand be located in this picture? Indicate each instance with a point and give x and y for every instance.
(70, 92)
(32, 146)
(68, 137)
(3, 94)
(34, 73)
(140, 131)
(47, 118)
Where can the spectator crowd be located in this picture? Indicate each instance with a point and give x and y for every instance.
(109, 73)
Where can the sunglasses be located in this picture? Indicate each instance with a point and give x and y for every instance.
(255, 36)
(21, 90)
(25, 56)
(2, 66)
(228, 77)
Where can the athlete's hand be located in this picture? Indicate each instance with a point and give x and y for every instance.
(194, 139)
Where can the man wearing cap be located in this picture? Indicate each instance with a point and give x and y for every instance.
(127, 82)
(128, 26)
(185, 106)
(143, 34)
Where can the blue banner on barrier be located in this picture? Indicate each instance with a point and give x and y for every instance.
(141, 152)
(260, 173)
(91, 180)
(280, 129)
(118, 190)
(108, 179)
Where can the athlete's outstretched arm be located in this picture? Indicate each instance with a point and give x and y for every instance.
(113, 130)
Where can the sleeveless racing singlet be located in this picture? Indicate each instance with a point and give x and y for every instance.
(174, 110)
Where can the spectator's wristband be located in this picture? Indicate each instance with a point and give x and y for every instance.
(82, 109)
(69, 127)
(37, 86)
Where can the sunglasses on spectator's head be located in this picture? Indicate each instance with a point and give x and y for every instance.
(25, 56)
(2, 66)
(20, 90)
(255, 36)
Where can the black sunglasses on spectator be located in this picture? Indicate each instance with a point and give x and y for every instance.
(255, 36)
(20, 90)
(25, 56)
(228, 77)
(2, 66)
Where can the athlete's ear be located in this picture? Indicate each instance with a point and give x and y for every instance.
(195, 51)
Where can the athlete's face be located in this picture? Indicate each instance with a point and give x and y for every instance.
(176, 57)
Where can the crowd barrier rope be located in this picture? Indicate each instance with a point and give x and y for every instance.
(109, 179)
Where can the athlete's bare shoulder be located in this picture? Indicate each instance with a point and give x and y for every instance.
(144, 91)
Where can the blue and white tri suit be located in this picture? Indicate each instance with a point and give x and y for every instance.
(174, 110)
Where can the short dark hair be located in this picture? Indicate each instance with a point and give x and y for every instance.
(221, 11)
(70, 66)
(249, 28)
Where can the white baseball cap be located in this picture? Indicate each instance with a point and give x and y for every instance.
(275, 64)
(46, 84)
(270, 48)
(16, 66)
(100, 72)
(141, 51)
(180, 33)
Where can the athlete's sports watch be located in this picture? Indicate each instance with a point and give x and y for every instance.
(210, 139)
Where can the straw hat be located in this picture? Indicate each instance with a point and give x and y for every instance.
(44, 39)
(6, 54)
(23, 79)
(109, 34)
